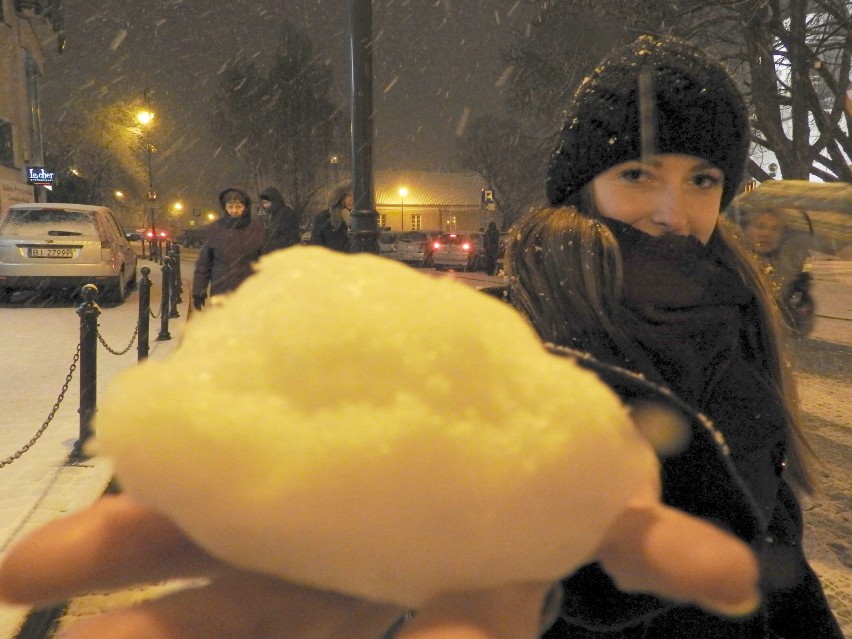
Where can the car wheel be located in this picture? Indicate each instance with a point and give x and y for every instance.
(5, 294)
(116, 290)
(133, 281)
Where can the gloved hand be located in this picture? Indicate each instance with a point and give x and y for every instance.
(198, 301)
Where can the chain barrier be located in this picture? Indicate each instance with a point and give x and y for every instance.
(50, 417)
(114, 352)
(154, 315)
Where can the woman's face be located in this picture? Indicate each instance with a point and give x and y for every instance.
(348, 201)
(764, 233)
(235, 208)
(668, 193)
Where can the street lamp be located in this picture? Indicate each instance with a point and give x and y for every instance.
(145, 118)
(402, 193)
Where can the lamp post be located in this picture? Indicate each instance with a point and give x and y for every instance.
(402, 193)
(145, 117)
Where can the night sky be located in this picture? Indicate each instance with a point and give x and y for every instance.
(435, 61)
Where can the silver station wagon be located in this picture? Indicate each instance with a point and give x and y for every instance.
(64, 246)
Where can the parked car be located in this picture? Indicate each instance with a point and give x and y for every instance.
(415, 247)
(64, 246)
(387, 243)
(162, 235)
(462, 251)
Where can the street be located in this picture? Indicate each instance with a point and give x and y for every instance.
(38, 338)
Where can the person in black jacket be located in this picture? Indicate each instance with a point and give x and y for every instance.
(331, 226)
(786, 262)
(633, 264)
(283, 221)
(492, 247)
(232, 244)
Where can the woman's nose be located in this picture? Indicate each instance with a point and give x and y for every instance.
(670, 213)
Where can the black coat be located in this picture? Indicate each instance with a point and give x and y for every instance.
(230, 248)
(694, 326)
(284, 227)
(324, 234)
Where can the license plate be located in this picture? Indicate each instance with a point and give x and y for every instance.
(50, 252)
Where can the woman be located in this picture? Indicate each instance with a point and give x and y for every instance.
(634, 265)
(232, 244)
(331, 227)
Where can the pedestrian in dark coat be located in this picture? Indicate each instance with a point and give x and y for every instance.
(232, 244)
(785, 260)
(492, 246)
(634, 264)
(331, 226)
(283, 224)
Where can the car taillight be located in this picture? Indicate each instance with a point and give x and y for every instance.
(149, 234)
(466, 246)
(436, 245)
(163, 234)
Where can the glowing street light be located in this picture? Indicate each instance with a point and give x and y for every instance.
(145, 118)
(402, 193)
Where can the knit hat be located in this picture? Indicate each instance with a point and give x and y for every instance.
(697, 110)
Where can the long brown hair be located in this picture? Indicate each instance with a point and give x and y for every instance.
(565, 276)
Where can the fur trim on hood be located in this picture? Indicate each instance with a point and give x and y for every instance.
(335, 197)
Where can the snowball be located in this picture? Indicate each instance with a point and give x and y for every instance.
(346, 422)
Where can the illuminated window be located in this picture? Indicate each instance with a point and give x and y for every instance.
(416, 222)
(383, 220)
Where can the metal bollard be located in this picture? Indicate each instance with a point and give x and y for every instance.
(88, 312)
(173, 286)
(178, 279)
(144, 314)
(165, 302)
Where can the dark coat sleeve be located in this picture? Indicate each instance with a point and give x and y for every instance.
(203, 269)
(318, 230)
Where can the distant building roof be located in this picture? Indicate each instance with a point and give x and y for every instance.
(426, 188)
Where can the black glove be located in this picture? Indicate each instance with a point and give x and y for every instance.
(198, 301)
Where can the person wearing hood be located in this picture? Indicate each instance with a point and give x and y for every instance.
(785, 261)
(283, 224)
(331, 227)
(233, 243)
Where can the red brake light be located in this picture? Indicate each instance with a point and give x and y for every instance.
(436, 245)
(466, 246)
(150, 234)
(163, 234)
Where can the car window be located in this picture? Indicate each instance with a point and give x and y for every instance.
(116, 225)
(48, 223)
(412, 236)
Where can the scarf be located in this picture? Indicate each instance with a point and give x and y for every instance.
(684, 307)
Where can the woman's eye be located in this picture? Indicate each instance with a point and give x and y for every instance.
(632, 175)
(707, 180)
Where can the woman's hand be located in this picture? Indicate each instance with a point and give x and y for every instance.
(119, 543)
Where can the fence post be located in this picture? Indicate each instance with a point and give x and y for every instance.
(165, 302)
(173, 287)
(88, 312)
(144, 314)
(178, 280)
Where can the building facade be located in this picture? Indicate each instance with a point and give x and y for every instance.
(26, 28)
(415, 200)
